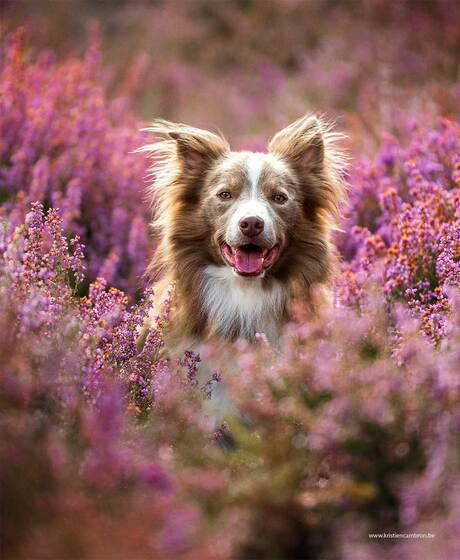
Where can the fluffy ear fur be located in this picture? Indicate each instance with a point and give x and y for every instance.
(309, 146)
(191, 149)
(301, 143)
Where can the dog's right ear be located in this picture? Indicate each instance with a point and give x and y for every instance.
(193, 149)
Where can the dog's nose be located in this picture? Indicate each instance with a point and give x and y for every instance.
(251, 226)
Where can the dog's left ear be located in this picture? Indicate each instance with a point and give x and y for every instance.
(301, 143)
(311, 149)
(194, 149)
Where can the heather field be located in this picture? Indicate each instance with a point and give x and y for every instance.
(353, 429)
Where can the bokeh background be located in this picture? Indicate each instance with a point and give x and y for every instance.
(248, 67)
(353, 429)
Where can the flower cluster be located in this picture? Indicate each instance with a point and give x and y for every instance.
(65, 144)
(248, 68)
(40, 269)
(405, 214)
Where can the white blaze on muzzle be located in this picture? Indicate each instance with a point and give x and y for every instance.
(251, 204)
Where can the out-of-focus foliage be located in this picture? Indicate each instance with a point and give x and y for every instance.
(248, 67)
(63, 142)
(353, 428)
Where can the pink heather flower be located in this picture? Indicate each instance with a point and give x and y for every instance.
(61, 145)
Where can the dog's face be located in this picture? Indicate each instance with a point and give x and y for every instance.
(260, 214)
(249, 201)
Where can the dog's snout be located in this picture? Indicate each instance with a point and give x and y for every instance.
(251, 226)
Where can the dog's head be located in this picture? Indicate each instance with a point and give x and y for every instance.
(258, 213)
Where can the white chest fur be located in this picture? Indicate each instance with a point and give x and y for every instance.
(242, 306)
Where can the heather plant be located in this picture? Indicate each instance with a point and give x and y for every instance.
(66, 144)
(404, 213)
(248, 67)
(346, 433)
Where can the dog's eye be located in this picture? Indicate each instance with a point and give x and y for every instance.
(280, 198)
(225, 195)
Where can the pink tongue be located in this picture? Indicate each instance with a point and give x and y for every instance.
(249, 262)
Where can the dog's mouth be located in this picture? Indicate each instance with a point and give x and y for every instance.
(250, 259)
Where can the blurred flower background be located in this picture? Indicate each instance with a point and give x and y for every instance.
(106, 452)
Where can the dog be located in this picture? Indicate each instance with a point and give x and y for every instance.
(242, 234)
